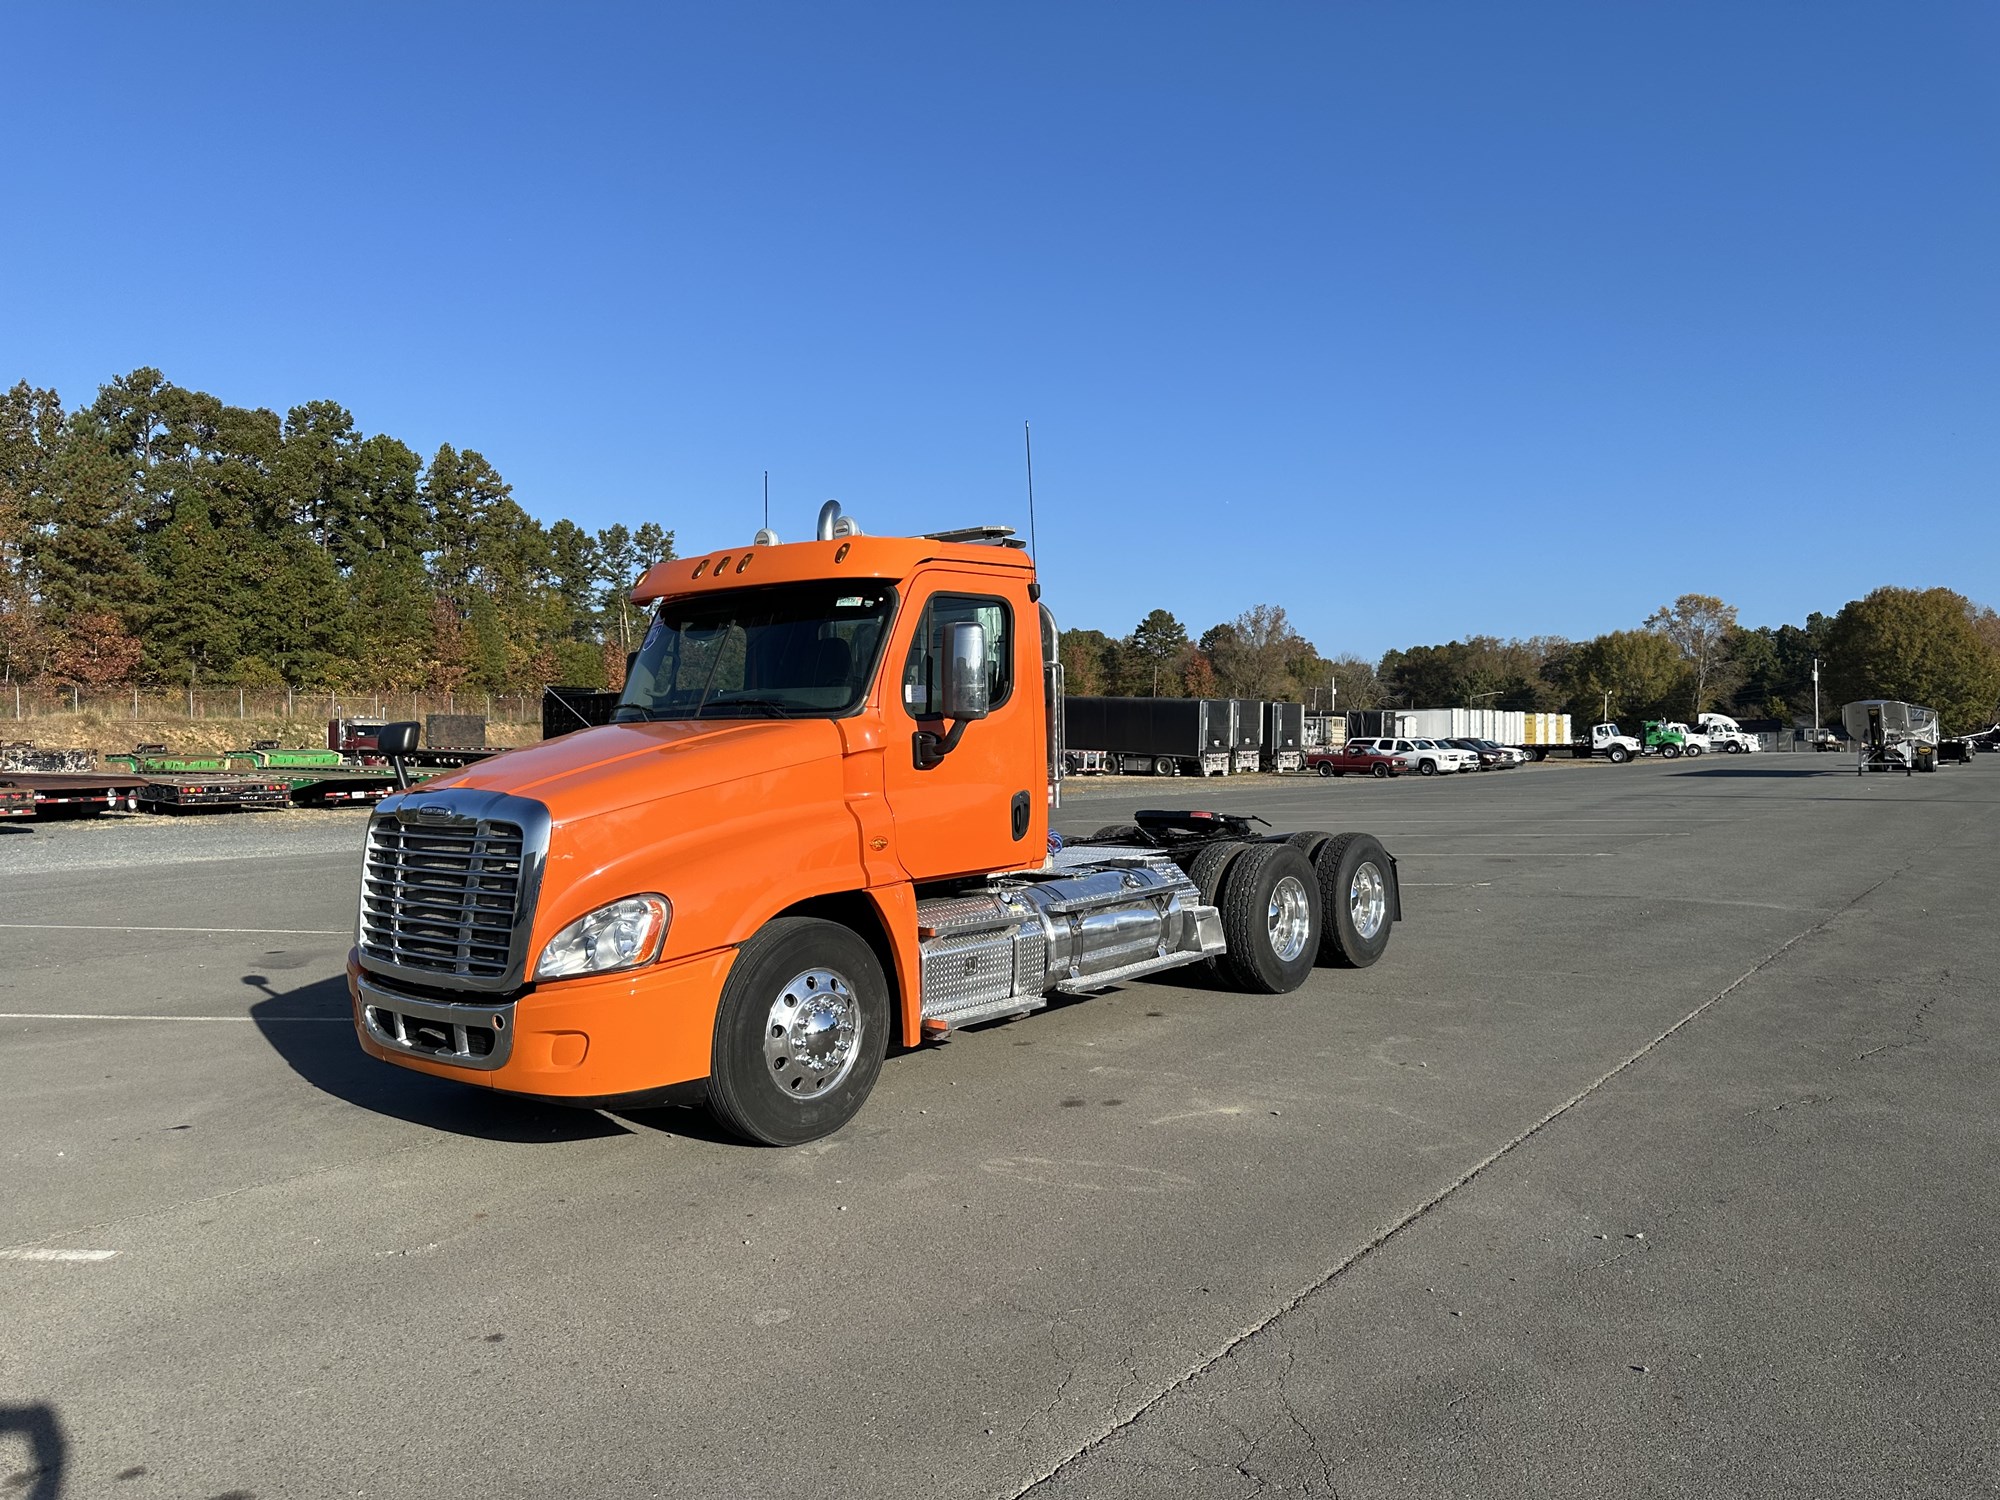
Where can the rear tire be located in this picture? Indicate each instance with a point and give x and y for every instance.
(799, 1034)
(1307, 843)
(1166, 765)
(1270, 918)
(1354, 874)
(1325, 768)
(1208, 867)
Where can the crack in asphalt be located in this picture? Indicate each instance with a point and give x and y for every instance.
(1347, 1263)
(1912, 1034)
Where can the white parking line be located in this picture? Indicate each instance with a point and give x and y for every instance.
(57, 1254)
(56, 1015)
(1502, 854)
(247, 931)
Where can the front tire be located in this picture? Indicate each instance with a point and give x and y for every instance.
(799, 1034)
(1380, 771)
(1618, 755)
(1427, 768)
(1270, 918)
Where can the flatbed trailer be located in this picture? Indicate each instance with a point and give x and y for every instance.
(190, 791)
(340, 785)
(356, 739)
(79, 793)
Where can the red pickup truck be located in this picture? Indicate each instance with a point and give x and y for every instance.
(1366, 760)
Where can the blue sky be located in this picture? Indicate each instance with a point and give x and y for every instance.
(1419, 319)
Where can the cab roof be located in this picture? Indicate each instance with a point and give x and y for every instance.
(887, 557)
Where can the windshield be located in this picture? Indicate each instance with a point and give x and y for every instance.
(804, 650)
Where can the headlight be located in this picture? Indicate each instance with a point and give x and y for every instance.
(622, 935)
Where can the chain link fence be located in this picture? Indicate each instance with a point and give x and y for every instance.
(184, 705)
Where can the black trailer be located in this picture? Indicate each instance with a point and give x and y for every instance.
(1161, 736)
(1284, 745)
(565, 709)
(1246, 733)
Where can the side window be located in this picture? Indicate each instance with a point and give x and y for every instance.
(923, 669)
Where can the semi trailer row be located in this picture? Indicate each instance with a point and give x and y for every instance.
(817, 827)
(1182, 736)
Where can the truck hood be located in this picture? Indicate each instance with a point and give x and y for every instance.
(618, 766)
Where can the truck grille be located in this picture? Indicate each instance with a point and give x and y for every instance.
(442, 896)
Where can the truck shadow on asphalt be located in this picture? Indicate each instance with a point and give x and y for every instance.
(1766, 772)
(311, 1029)
(48, 1451)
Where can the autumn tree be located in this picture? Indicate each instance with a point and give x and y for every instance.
(1082, 655)
(94, 651)
(1920, 646)
(1352, 683)
(1631, 672)
(1253, 654)
(1198, 675)
(1701, 627)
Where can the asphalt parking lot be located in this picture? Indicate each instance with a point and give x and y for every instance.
(1656, 1157)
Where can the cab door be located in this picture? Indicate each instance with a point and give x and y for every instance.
(984, 805)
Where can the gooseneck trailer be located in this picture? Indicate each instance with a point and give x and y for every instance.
(818, 825)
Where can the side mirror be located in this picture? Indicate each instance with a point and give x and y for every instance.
(397, 741)
(967, 693)
(967, 686)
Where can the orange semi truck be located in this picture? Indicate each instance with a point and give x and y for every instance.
(818, 826)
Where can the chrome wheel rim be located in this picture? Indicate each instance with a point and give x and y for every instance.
(1368, 900)
(813, 1034)
(1290, 918)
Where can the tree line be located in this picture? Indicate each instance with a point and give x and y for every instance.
(160, 535)
(1929, 646)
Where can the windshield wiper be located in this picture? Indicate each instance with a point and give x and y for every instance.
(771, 706)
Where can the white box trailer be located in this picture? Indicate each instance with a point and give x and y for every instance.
(1544, 730)
(1505, 726)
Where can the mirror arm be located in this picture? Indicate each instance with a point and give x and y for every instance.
(929, 748)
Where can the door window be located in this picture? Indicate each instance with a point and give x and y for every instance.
(923, 669)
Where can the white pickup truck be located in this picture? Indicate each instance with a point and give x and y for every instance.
(1724, 733)
(1425, 757)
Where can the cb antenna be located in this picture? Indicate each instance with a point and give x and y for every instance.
(767, 499)
(1028, 438)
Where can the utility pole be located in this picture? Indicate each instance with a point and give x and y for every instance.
(1815, 702)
